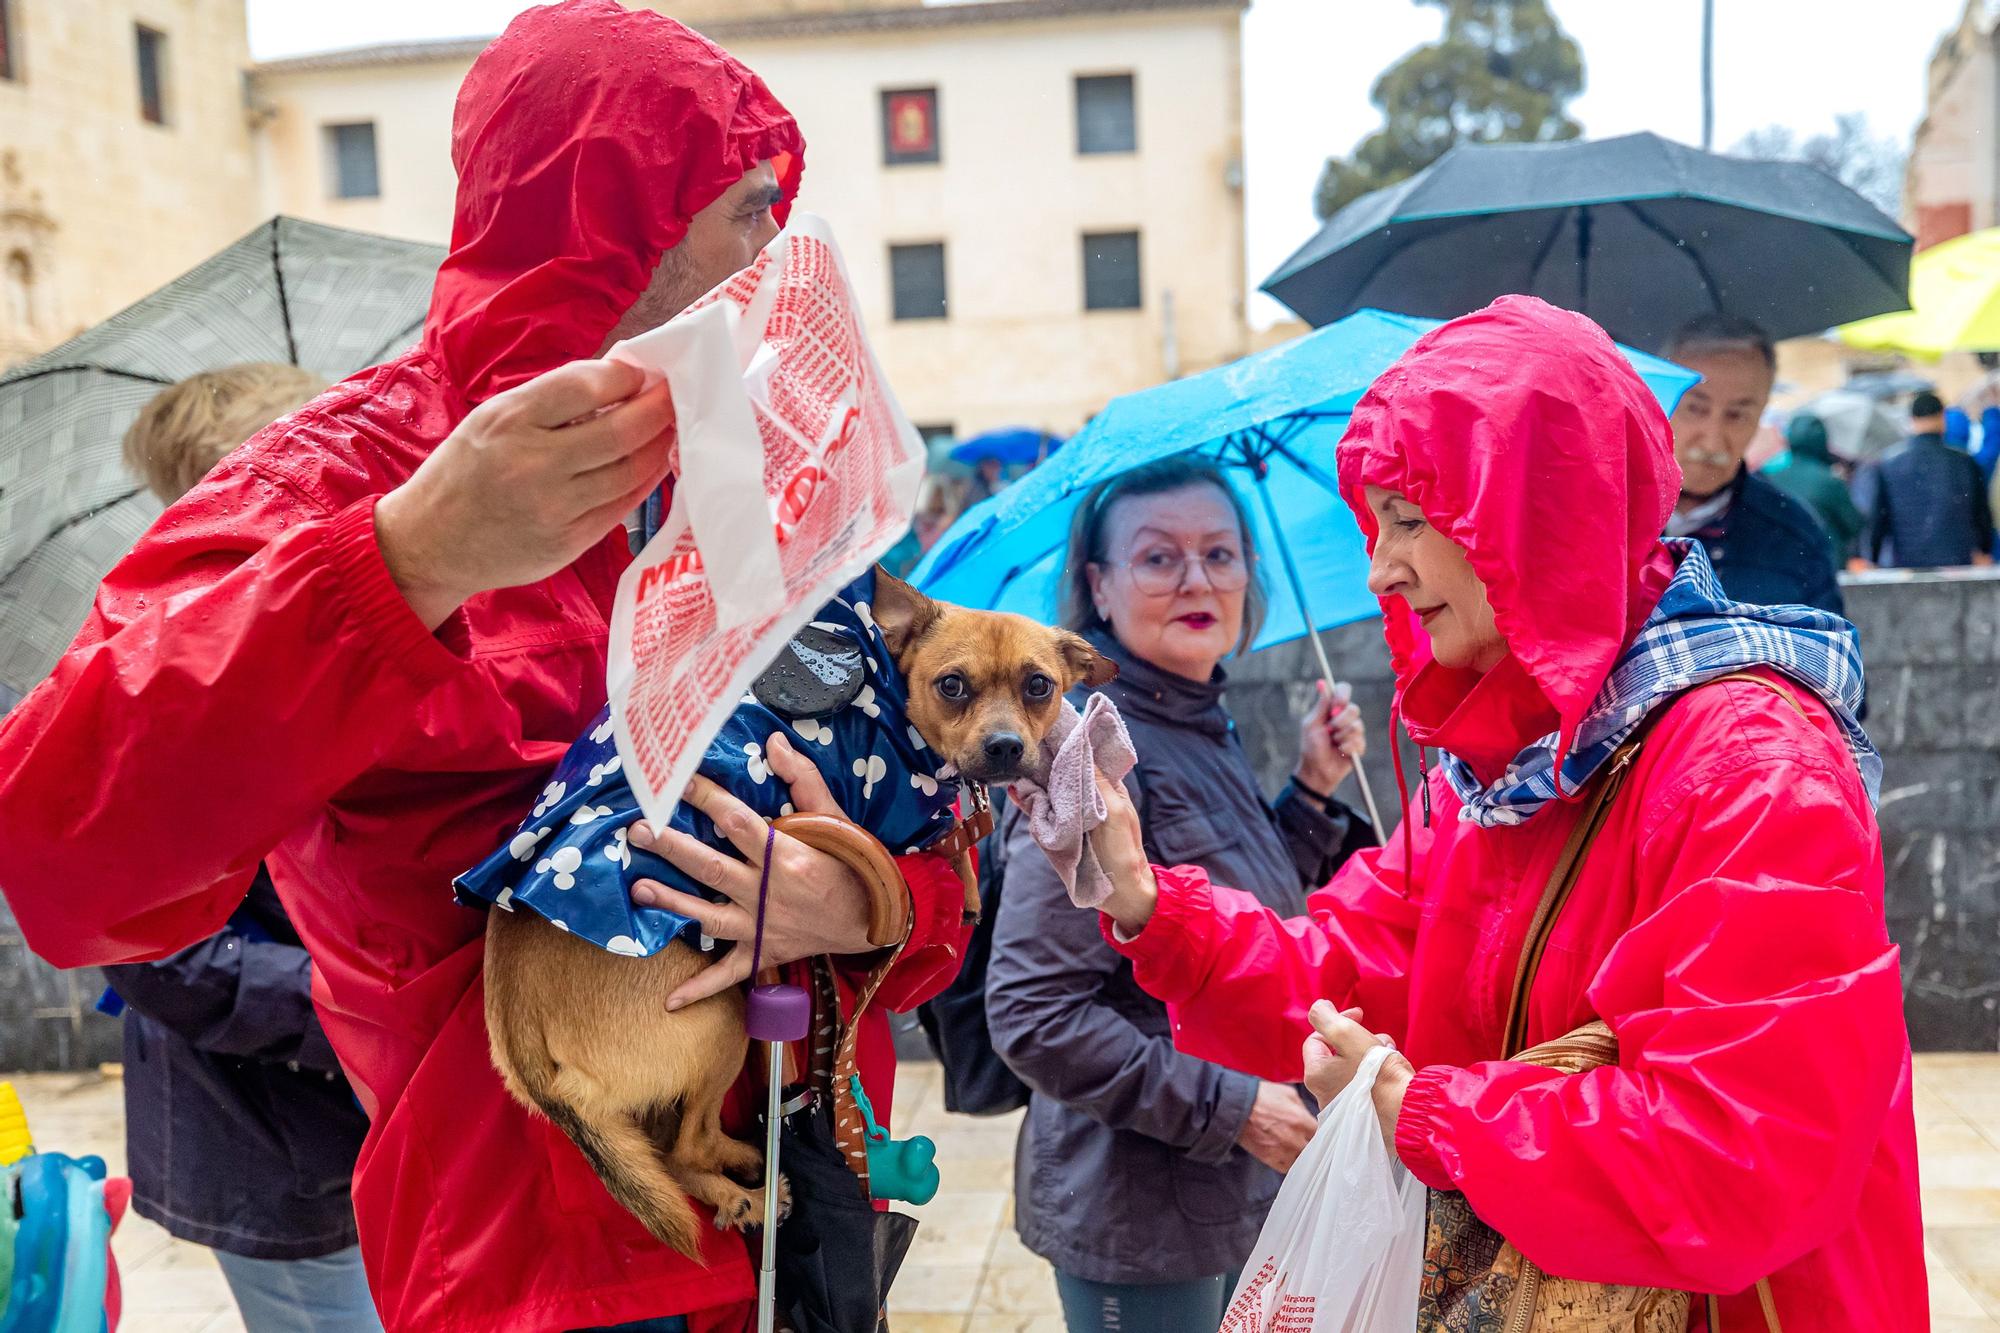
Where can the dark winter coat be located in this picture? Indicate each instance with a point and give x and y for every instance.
(240, 1130)
(1127, 1168)
(1768, 548)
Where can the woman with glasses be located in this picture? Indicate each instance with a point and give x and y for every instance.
(1144, 1174)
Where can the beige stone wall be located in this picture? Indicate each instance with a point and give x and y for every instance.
(410, 105)
(97, 205)
(1010, 199)
(1952, 181)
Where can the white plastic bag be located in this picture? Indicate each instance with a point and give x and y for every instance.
(796, 470)
(1343, 1248)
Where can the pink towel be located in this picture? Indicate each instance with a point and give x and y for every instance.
(1062, 813)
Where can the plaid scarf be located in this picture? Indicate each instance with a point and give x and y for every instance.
(1693, 636)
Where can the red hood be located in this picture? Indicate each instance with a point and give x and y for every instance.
(585, 138)
(1525, 436)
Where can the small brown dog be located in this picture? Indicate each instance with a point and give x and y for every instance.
(583, 1035)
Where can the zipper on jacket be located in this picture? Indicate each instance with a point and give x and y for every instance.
(1424, 784)
(1521, 1310)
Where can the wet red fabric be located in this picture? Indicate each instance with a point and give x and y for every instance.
(1728, 923)
(252, 687)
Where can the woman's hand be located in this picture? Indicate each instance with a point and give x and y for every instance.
(816, 904)
(1279, 1127)
(1121, 850)
(1334, 1053)
(1332, 739)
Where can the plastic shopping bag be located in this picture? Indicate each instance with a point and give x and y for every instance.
(1343, 1248)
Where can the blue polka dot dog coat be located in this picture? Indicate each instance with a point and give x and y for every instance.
(571, 860)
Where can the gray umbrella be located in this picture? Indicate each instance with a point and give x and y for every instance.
(1857, 427)
(1637, 232)
(330, 300)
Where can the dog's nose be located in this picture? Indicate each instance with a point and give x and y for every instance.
(1004, 748)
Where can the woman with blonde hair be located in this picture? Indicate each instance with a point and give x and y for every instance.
(240, 1128)
(186, 429)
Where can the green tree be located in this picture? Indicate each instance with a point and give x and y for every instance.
(1501, 73)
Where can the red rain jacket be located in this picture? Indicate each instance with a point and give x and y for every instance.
(252, 687)
(1727, 923)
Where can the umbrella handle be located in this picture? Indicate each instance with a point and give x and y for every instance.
(767, 1276)
(773, 1015)
(1368, 798)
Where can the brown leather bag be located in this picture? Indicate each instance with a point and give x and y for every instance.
(1473, 1280)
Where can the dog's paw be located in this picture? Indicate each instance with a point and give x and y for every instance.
(739, 1209)
(784, 1198)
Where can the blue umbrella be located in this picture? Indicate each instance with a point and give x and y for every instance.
(1271, 421)
(1011, 445)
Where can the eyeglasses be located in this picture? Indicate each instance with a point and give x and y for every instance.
(1163, 570)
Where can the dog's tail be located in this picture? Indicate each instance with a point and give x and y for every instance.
(618, 1150)
(629, 1165)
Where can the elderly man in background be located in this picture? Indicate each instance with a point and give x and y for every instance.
(1766, 546)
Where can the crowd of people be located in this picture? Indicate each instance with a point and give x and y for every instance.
(351, 652)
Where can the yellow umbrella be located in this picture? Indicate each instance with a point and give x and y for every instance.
(1955, 295)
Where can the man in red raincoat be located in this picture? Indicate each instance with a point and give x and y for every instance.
(355, 651)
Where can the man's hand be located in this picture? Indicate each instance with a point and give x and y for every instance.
(1334, 1053)
(529, 481)
(816, 904)
(1279, 1127)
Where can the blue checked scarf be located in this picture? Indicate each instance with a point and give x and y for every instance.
(1693, 636)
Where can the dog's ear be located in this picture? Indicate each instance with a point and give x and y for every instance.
(901, 612)
(1087, 666)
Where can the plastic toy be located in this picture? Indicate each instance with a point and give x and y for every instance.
(904, 1169)
(56, 1218)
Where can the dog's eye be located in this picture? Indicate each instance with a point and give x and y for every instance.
(952, 686)
(1040, 687)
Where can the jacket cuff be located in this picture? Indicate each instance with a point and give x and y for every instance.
(372, 600)
(938, 933)
(1421, 1131)
(1235, 1094)
(1170, 955)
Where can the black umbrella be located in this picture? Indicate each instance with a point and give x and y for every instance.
(330, 300)
(1639, 233)
(836, 1254)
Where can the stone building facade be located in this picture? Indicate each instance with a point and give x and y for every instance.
(125, 155)
(1040, 200)
(1952, 181)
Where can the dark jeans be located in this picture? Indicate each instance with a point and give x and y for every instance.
(1152, 1307)
(672, 1323)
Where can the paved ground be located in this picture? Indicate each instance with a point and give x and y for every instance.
(968, 1274)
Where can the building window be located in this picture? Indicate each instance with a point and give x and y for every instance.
(916, 280)
(9, 62)
(19, 282)
(909, 126)
(152, 48)
(936, 433)
(1111, 271)
(1104, 119)
(350, 153)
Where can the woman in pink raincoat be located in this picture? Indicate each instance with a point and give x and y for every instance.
(1512, 475)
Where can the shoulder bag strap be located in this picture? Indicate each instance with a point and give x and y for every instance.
(1562, 878)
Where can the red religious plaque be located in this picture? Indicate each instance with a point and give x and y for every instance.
(909, 126)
